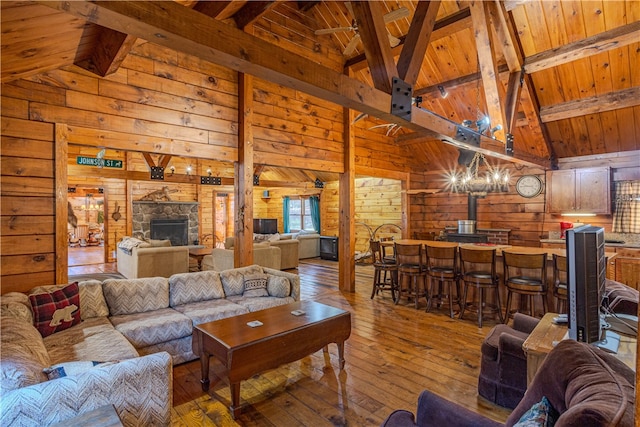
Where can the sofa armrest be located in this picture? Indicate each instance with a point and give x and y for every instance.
(434, 410)
(511, 345)
(294, 279)
(140, 389)
(524, 323)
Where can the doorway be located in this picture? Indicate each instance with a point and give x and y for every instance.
(86, 235)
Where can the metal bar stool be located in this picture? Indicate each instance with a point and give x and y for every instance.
(385, 274)
(525, 275)
(411, 266)
(560, 282)
(442, 264)
(478, 270)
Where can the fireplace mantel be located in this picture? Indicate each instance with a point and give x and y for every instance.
(144, 211)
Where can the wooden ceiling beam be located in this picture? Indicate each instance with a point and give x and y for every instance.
(444, 27)
(417, 40)
(373, 33)
(488, 67)
(174, 26)
(111, 48)
(612, 39)
(214, 9)
(624, 98)
(251, 12)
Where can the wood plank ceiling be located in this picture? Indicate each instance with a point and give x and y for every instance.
(561, 76)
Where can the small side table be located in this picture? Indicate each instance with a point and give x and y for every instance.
(540, 343)
(198, 254)
(104, 416)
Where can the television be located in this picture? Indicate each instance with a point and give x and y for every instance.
(586, 275)
(265, 226)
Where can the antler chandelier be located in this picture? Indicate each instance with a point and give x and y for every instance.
(472, 181)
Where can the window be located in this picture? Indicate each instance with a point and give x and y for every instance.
(300, 214)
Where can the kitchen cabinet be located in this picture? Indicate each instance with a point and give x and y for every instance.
(579, 191)
(628, 267)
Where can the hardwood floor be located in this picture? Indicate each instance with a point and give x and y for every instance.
(394, 352)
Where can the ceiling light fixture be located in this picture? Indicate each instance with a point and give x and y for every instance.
(471, 181)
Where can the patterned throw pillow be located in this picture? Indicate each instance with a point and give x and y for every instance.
(57, 310)
(278, 286)
(67, 369)
(255, 285)
(542, 414)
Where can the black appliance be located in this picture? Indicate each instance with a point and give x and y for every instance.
(329, 248)
(467, 238)
(176, 230)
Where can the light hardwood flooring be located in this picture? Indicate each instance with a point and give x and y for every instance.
(394, 352)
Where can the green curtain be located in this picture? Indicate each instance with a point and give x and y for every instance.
(315, 212)
(285, 214)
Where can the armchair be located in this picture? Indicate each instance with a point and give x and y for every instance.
(503, 366)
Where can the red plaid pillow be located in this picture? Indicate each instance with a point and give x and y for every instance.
(56, 311)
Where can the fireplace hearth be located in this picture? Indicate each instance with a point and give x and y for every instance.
(173, 220)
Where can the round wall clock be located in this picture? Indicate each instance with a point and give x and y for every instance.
(529, 186)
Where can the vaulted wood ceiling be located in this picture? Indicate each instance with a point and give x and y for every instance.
(561, 76)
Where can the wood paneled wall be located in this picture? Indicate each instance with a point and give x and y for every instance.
(526, 218)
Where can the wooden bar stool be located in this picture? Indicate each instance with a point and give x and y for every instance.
(478, 269)
(525, 275)
(385, 274)
(442, 264)
(560, 282)
(411, 267)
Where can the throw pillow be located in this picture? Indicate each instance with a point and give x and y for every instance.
(278, 286)
(71, 368)
(542, 414)
(255, 285)
(57, 310)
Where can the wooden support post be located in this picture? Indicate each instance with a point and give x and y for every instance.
(61, 180)
(346, 242)
(243, 246)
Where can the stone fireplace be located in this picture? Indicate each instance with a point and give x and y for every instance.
(145, 211)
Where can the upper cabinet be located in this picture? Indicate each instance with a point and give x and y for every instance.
(579, 191)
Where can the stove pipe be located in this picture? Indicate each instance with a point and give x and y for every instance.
(472, 207)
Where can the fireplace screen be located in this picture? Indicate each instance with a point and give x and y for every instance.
(176, 230)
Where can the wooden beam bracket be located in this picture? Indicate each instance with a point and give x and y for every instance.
(401, 99)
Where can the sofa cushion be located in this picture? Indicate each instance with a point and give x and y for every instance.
(93, 339)
(185, 288)
(278, 286)
(92, 303)
(17, 305)
(208, 311)
(128, 296)
(260, 303)
(255, 285)
(491, 342)
(56, 310)
(152, 327)
(233, 280)
(23, 355)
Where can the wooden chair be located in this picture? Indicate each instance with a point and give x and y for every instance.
(560, 285)
(525, 275)
(385, 275)
(478, 270)
(442, 265)
(411, 267)
(388, 253)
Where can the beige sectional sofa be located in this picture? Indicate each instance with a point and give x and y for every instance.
(264, 255)
(143, 326)
(138, 258)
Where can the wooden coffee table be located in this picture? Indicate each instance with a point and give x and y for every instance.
(283, 338)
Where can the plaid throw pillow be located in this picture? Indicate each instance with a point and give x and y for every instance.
(255, 285)
(57, 310)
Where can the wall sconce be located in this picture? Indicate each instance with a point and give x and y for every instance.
(188, 170)
(209, 172)
(443, 91)
(172, 169)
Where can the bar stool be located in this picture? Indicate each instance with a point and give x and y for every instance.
(525, 275)
(384, 274)
(560, 282)
(388, 254)
(410, 263)
(442, 264)
(478, 269)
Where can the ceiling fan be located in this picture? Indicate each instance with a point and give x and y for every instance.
(394, 15)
